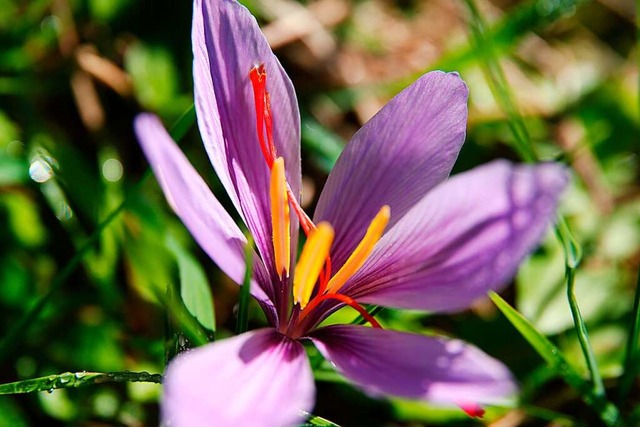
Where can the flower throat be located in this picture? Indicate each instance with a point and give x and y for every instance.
(313, 281)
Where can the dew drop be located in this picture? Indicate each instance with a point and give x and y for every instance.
(112, 170)
(65, 378)
(40, 171)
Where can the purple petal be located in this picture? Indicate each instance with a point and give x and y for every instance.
(207, 221)
(395, 159)
(227, 44)
(440, 370)
(464, 238)
(260, 378)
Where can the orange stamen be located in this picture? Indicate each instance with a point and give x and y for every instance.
(280, 219)
(344, 299)
(362, 251)
(312, 259)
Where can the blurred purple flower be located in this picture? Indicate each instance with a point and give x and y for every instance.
(389, 229)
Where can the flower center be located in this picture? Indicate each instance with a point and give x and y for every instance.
(313, 270)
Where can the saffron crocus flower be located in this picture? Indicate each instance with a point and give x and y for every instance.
(389, 229)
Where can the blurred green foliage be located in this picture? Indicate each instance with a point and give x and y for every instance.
(98, 275)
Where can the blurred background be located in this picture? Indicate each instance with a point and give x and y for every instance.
(97, 274)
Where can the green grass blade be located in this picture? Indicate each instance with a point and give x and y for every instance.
(498, 84)
(77, 379)
(245, 290)
(631, 358)
(608, 412)
(573, 256)
(315, 421)
(528, 17)
(583, 336)
(525, 147)
(183, 124)
(571, 248)
(373, 310)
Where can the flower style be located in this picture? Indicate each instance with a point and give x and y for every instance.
(389, 229)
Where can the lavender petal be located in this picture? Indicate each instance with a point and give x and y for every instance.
(464, 238)
(190, 198)
(259, 378)
(405, 150)
(442, 371)
(227, 44)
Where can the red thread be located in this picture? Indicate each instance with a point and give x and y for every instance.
(344, 299)
(258, 77)
(472, 409)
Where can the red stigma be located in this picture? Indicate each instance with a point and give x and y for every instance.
(345, 300)
(264, 122)
(472, 409)
(264, 130)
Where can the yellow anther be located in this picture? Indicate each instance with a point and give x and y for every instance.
(362, 251)
(280, 221)
(314, 253)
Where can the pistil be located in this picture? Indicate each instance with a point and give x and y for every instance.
(314, 266)
(264, 122)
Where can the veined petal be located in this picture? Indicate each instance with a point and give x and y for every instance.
(464, 238)
(227, 44)
(439, 370)
(190, 198)
(260, 378)
(395, 159)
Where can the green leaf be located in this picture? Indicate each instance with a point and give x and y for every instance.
(323, 146)
(107, 10)
(12, 414)
(13, 170)
(154, 75)
(557, 362)
(22, 218)
(194, 287)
